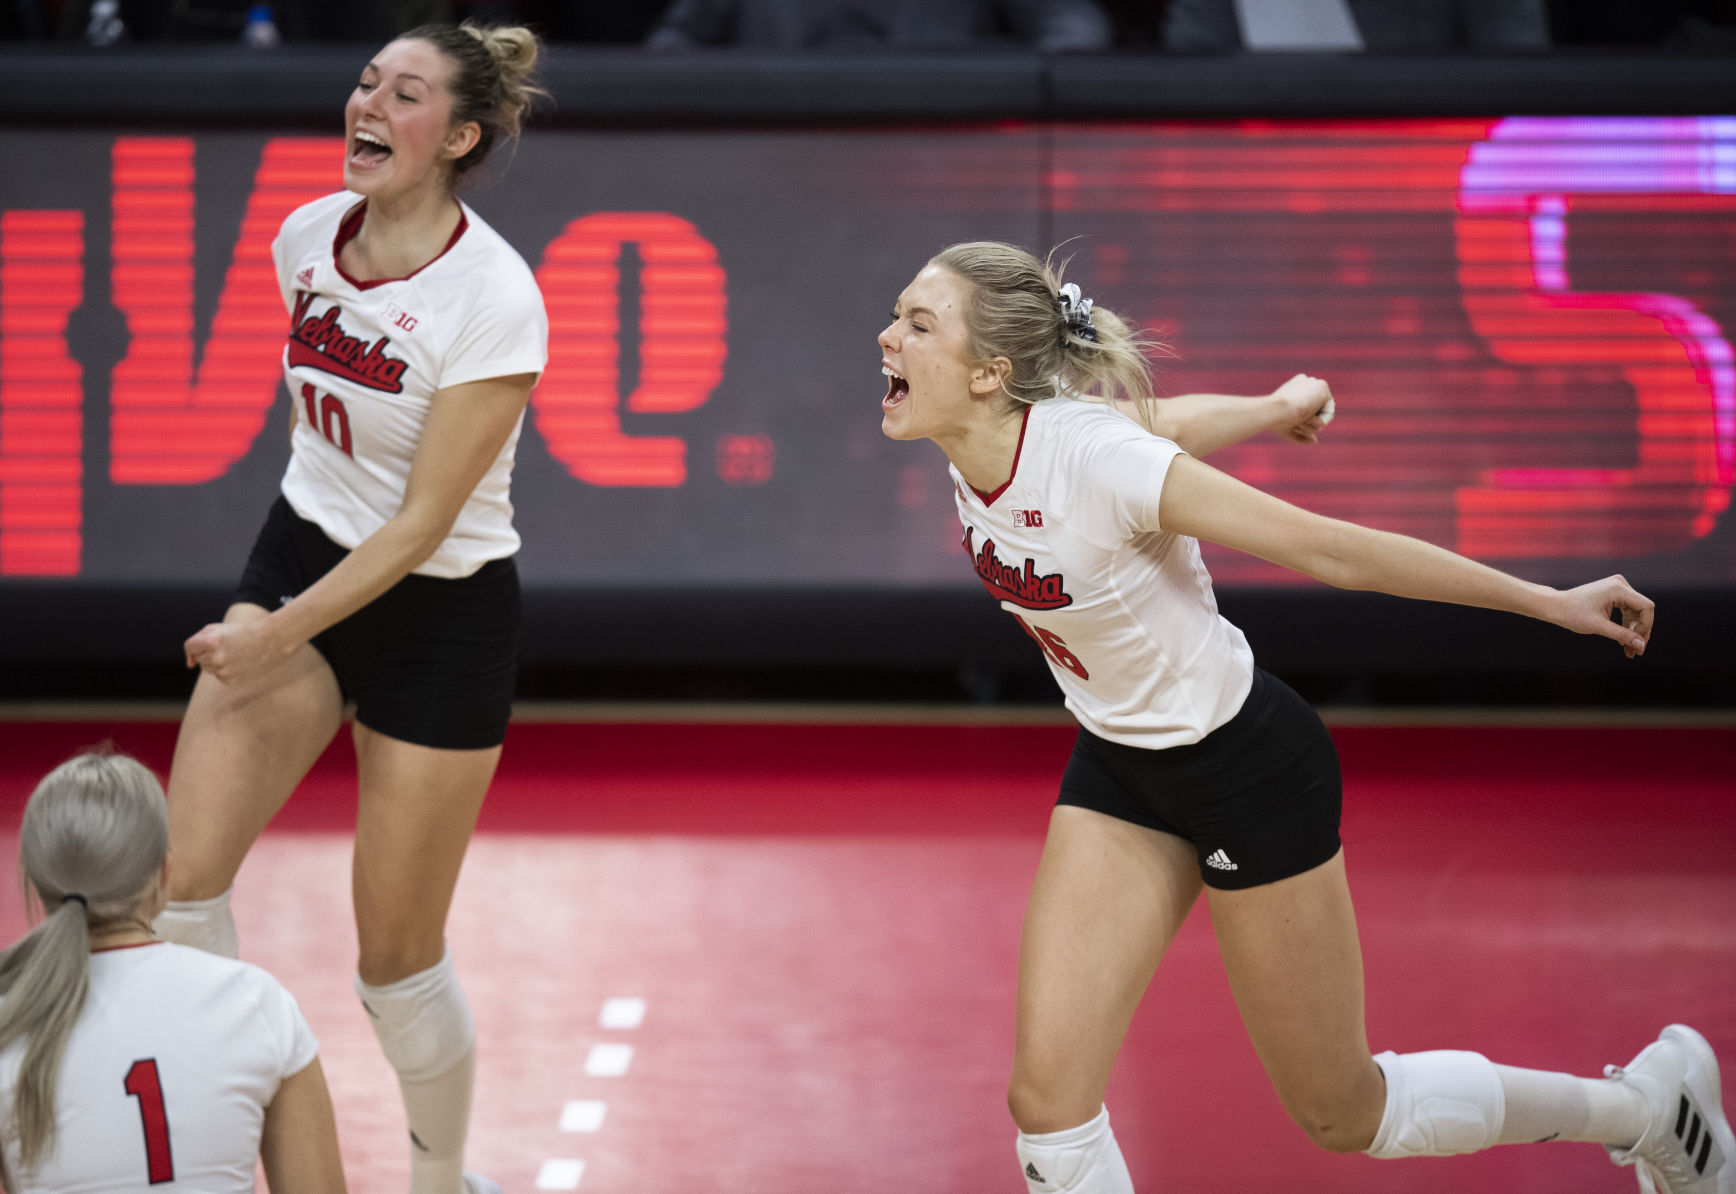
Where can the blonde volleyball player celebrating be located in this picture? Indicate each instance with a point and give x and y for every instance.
(1194, 769)
(127, 1063)
(384, 573)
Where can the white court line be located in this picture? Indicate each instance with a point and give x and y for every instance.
(560, 1174)
(626, 1011)
(583, 1115)
(608, 1061)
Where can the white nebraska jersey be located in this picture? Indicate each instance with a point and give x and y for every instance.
(364, 359)
(166, 1075)
(1123, 610)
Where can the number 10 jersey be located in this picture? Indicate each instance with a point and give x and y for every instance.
(365, 358)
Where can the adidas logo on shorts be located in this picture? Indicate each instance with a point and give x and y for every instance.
(1220, 860)
(1031, 1172)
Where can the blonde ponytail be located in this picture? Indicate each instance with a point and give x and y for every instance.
(92, 840)
(1015, 311)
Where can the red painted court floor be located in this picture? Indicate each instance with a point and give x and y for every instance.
(779, 959)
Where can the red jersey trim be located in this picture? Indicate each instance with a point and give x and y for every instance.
(352, 224)
(109, 949)
(989, 498)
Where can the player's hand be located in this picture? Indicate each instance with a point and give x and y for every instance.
(233, 651)
(1308, 408)
(1587, 610)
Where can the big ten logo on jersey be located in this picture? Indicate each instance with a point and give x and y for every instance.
(400, 318)
(1028, 518)
(636, 302)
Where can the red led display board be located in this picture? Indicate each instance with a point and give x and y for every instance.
(41, 398)
(1527, 323)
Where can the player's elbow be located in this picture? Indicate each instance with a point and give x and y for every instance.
(422, 530)
(1339, 572)
(1333, 559)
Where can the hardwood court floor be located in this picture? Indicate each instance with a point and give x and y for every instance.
(779, 958)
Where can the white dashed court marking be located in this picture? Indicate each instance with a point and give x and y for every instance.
(608, 1061)
(583, 1115)
(560, 1174)
(622, 1012)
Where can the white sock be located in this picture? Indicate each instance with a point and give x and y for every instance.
(1542, 1105)
(1448, 1102)
(1081, 1160)
(425, 1029)
(202, 924)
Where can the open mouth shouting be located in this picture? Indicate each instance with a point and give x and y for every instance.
(897, 389)
(369, 150)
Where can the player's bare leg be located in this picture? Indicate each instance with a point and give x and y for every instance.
(241, 752)
(417, 809)
(1108, 899)
(1295, 967)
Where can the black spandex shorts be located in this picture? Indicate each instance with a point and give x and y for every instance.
(429, 661)
(1259, 797)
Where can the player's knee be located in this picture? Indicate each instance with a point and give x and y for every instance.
(1341, 1117)
(1049, 1099)
(394, 954)
(1333, 1129)
(188, 883)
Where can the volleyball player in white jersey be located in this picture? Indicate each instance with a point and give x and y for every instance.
(384, 574)
(1194, 769)
(127, 1063)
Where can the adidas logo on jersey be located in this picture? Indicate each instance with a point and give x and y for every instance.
(1220, 860)
(305, 277)
(1028, 518)
(1031, 1172)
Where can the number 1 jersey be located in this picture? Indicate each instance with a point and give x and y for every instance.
(166, 1075)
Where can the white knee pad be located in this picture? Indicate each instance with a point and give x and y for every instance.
(1438, 1103)
(202, 924)
(423, 1022)
(1081, 1160)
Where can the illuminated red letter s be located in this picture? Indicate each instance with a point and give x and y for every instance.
(1513, 277)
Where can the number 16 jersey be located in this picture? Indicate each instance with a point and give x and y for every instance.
(1123, 610)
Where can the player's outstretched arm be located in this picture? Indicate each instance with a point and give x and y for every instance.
(1200, 501)
(467, 427)
(299, 1146)
(1202, 423)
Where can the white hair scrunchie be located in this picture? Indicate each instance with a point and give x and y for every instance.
(1075, 314)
